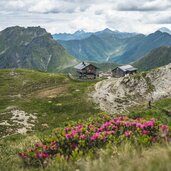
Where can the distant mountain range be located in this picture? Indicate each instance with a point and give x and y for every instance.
(81, 34)
(156, 58)
(100, 46)
(78, 35)
(113, 46)
(33, 48)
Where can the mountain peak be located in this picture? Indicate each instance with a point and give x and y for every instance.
(25, 50)
(107, 30)
(32, 31)
(80, 32)
(165, 30)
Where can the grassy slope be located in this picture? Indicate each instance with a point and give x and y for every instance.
(73, 106)
(125, 157)
(19, 88)
(156, 58)
(161, 110)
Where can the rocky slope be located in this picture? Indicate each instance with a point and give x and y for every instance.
(33, 48)
(116, 95)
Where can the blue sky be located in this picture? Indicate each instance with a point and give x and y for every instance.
(90, 15)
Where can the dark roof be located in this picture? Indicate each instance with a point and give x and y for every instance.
(83, 65)
(127, 68)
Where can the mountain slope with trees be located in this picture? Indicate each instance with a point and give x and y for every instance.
(101, 46)
(144, 46)
(115, 46)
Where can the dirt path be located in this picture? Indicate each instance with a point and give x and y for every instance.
(50, 92)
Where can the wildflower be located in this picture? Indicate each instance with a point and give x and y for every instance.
(53, 145)
(114, 127)
(145, 132)
(68, 136)
(38, 145)
(82, 137)
(141, 126)
(127, 124)
(44, 147)
(95, 136)
(67, 129)
(43, 155)
(22, 155)
(127, 133)
(164, 127)
(148, 124)
(109, 132)
(118, 122)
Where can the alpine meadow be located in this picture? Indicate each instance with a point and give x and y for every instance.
(85, 85)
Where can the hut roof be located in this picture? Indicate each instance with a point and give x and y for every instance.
(127, 68)
(83, 65)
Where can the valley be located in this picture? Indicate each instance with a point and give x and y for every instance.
(113, 46)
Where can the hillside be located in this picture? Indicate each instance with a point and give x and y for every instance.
(156, 58)
(143, 47)
(89, 49)
(38, 107)
(38, 101)
(101, 46)
(118, 95)
(33, 48)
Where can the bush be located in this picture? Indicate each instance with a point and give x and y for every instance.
(84, 138)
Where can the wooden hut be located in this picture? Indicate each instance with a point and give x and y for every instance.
(86, 70)
(121, 71)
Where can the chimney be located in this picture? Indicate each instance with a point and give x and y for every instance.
(83, 63)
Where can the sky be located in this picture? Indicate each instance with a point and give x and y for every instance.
(58, 16)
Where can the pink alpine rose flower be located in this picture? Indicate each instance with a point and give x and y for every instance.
(127, 133)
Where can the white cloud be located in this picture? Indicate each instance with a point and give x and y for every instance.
(91, 15)
(144, 5)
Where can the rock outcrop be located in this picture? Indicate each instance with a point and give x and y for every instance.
(116, 95)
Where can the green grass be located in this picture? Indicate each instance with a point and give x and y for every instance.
(19, 87)
(161, 110)
(68, 106)
(123, 158)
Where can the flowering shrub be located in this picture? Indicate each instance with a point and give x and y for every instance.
(77, 140)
